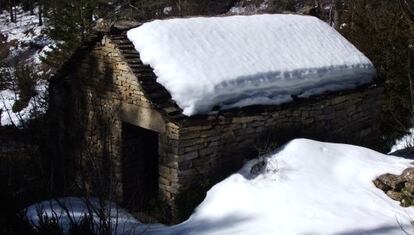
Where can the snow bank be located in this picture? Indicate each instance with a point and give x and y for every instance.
(244, 60)
(307, 187)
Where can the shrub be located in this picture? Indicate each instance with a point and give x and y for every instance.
(84, 227)
(48, 226)
(25, 86)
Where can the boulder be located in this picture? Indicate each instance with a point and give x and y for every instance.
(397, 196)
(408, 174)
(398, 187)
(409, 186)
(379, 184)
(395, 182)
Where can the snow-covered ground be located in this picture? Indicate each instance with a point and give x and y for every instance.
(35, 107)
(28, 45)
(72, 209)
(29, 36)
(307, 187)
(238, 61)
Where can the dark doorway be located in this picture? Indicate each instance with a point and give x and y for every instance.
(140, 166)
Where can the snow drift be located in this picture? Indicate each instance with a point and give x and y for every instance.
(244, 60)
(307, 187)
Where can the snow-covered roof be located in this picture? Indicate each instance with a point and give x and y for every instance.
(244, 60)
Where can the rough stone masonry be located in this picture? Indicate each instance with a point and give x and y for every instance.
(109, 85)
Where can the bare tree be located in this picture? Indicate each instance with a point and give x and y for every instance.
(335, 13)
(40, 13)
(12, 19)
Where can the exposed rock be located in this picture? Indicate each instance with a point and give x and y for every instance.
(379, 184)
(408, 174)
(102, 25)
(397, 196)
(392, 181)
(398, 187)
(126, 24)
(409, 186)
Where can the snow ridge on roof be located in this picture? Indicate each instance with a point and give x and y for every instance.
(244, 60)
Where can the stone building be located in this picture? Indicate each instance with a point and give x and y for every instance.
(111, 109)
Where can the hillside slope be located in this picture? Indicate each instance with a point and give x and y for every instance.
(22, 45)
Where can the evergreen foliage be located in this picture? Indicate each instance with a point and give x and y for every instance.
(381, 31)
(25, 86)
(69, 24)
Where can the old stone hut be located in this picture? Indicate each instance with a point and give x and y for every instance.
(114, 110)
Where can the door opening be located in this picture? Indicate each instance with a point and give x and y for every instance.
(139, 166)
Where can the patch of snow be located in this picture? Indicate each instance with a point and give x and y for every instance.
(251, 8)
(26, 28)
(245, 60)
(167, 10)
(36, 106)
(405, 142)
(26, 32)
(74, 209)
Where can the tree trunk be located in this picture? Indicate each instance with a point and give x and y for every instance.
(11, 12)
(31, 7)
(410, 77)
(337, 14)
(40, 15)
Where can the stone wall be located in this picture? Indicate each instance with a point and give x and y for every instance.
(212, 149)
(105, 93)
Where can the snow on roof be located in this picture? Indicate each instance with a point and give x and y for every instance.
(245, 60)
